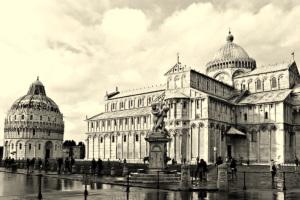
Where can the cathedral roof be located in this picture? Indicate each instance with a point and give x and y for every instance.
(123, 113)
(266, 97)
(267, 69)
(139, 91)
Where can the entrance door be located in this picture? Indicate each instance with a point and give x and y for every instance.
(48, 149)
(47, 154)
(229, 154)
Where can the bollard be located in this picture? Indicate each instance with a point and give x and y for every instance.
(244, 187)
(85, 187)
(157, 179)
(284, 188)
(127, 188)
(40, 196)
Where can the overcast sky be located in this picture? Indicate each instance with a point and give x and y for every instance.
(80, 49)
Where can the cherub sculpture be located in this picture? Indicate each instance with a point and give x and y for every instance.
(159, 112)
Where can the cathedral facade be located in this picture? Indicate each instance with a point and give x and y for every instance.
(234, 109)
(34, 126)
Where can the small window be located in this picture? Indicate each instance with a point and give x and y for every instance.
(23, 116)
(31, 117)
(138, 120)
(33, 131)
(92, 125)
(41, 118)
(48, 119)
(29, 146)
(12, 146)
(55, 147)
(273, 82)
(126, 121)
(136, 138)
(101, 140)
(258, 85)
(266, 115)
(124, 138)
(184, 105)
(108, 122)
(39, 147)
(20, 146)
(15, 117)
(145, 120)
(113, 139)
(48, 133)
(197, 103)
(245, 116)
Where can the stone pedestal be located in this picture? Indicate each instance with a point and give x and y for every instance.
(125, 170)
(185, 183)
(157, 151)
(222, 182)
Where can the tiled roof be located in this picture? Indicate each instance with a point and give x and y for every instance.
(139, 91)
(233, 131)
(266, 69)
(266, 97)
(123, 113)
(175, 94)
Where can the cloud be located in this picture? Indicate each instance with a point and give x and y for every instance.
(81, 49)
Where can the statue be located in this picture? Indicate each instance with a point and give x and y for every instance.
(159, 112)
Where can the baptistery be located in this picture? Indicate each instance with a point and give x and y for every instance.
(34, 126)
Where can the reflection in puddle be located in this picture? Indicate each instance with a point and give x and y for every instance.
(18, 184)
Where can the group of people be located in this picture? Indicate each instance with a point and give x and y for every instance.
(65, 165)
(201, 169)
(232, 165)
(97, 166)
(8, 162)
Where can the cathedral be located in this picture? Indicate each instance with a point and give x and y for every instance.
(233, 109)
(34, 126)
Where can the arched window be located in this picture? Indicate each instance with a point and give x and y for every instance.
(136, 137)
(273, 82)
(176, 82)
(258, 84)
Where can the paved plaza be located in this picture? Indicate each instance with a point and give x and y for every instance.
(69, 186)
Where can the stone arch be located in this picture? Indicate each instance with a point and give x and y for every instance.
(48, 149)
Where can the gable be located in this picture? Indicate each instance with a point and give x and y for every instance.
(177, 68)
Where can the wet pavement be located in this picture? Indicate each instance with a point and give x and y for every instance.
(22, 186)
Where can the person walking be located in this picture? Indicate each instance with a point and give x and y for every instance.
(201, 169)
(59, 163)
(28, 165)
(46, 165)
(273, 171)
(233, 168)
(94, 165)
(99, 167)
(72, 164)
(67, 165)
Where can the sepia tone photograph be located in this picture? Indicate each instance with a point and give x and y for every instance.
(149, 100)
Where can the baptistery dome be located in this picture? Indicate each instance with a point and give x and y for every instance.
(34, 126)
(230, 60)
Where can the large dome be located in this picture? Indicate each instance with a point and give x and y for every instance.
(230, 55)
(36, 98)
(34, 126)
